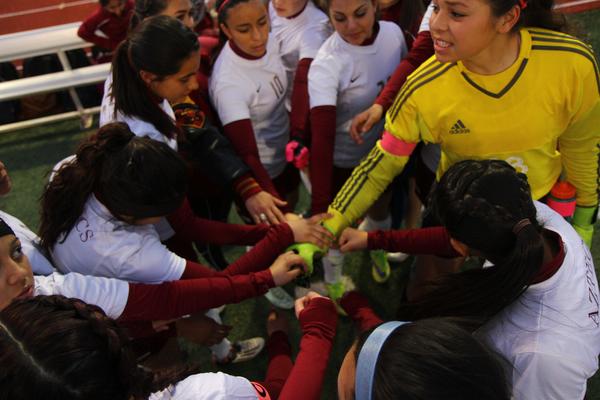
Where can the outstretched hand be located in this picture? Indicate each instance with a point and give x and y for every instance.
(353, 239)
(264, 208)
(287, 267)
(364, 121)
(310, 230)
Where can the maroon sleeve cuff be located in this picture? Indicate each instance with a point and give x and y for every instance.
(299, 115)
(434, 240)
(241, 135)
(357, 307)
(262, 255)
(323, 126)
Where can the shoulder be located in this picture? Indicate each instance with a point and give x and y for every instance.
(426, 78)
(556, 45)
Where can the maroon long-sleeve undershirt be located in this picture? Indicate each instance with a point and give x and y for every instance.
(241, 135)
(113, 26)
(434, 240)
(421, 50)
(299, 116)
(190, 227)
(323, 126)
(318, 322)
(178, 298)
(357, 307)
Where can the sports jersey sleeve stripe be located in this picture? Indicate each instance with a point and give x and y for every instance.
(342, 194)
(357, 180)
(505, 89)
(584, 53)
(410, 91)
(425, 69)
(574, 42)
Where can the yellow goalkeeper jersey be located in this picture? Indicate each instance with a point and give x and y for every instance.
(539, 115)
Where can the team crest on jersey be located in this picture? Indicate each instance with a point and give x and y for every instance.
(459, 128)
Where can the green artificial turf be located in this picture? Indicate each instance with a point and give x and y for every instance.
(30, 154)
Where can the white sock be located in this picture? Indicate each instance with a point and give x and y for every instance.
(333, 262)
(222, 349)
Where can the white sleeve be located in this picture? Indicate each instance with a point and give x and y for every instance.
(425, 21)
(152, 263)
(548, 377)
(108, 294)
(311, 43)
(323, 81)
(209, 386)
(231, 99)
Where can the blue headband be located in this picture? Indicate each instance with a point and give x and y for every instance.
(367, 359)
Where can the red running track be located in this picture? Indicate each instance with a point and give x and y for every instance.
(21, 15)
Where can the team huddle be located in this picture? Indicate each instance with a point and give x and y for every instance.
(464, 133)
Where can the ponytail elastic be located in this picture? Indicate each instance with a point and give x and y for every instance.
(367, 359)
(523, 4)
(520, 225)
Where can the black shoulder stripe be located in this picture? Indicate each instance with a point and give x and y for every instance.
(574, 42)
(432, 67)
(533, 31)
(408, 92)
(572, 50)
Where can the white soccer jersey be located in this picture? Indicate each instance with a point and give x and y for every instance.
(137, 126)
(209, 386)
(108, 294)
(350, 78)
(551, 334)
(425, 21)
(101, 245)
(30, 244)
(254, 89)
(299, 37)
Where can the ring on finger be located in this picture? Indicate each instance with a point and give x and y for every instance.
(262, 216)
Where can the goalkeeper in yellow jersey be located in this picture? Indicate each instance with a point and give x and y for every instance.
(504, 84)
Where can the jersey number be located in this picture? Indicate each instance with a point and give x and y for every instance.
(277, 86)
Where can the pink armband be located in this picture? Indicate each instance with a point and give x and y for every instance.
(396, 146)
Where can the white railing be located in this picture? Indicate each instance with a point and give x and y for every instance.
(57, 39)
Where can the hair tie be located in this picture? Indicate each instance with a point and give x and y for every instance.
(523, 4)
(520, 225)
(223, 4)
(367, 359)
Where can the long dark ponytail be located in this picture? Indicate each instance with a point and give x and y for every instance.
(159, 45)
(486, 205)
(132, 176)
(58, 348)
(536, 13)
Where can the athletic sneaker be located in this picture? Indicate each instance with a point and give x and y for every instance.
(317, 286)
(337, 290)
(380, 267)
(397, 257)
(243, 350)
(280, 298)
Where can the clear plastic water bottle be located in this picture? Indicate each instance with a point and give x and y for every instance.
(333, 263)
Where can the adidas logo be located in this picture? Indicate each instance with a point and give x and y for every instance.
(459, 128)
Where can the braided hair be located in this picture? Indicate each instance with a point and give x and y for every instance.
(480, 203)
(70, 350)
(132, 176)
